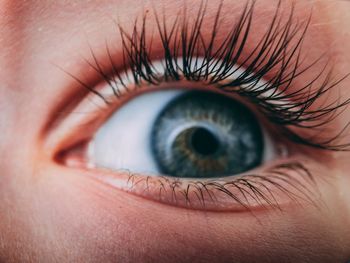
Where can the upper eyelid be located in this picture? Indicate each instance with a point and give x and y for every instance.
(93, 78)
(135, 42)
(87, 84)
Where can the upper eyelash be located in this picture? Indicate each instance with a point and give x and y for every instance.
(280, 44)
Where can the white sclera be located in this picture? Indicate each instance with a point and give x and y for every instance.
(123, 142)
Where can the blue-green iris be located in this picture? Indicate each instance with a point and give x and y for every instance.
(204, 134)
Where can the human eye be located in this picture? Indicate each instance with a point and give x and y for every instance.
(175, 131)
(198, 122)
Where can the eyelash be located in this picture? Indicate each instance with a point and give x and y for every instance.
(246, 192)
(200, 62)
(297, 113)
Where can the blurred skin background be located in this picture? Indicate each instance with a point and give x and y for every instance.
(68, 211)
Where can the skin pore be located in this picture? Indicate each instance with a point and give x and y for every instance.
(54, 213)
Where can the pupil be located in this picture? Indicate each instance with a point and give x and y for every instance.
(204, 142)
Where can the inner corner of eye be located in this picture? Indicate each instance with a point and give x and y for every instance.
(180, 133)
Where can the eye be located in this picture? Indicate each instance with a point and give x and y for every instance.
(194, 134)
(236, 129)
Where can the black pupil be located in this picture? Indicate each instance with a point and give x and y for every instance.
(204, 142)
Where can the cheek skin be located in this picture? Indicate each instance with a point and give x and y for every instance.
(71, 218)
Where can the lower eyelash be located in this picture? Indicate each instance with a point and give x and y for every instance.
(241, 193)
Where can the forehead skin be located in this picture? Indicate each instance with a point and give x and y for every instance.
(55, 215)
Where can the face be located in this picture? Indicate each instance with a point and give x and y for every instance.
(172, 131)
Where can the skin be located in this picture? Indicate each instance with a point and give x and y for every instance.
(53, 213)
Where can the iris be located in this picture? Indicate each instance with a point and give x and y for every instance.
(203, 134)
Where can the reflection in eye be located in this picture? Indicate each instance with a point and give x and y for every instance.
(184, 134)
(200, 139)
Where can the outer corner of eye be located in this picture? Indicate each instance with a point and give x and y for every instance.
(187, 136)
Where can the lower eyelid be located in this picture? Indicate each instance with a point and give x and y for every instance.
(284, 184)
